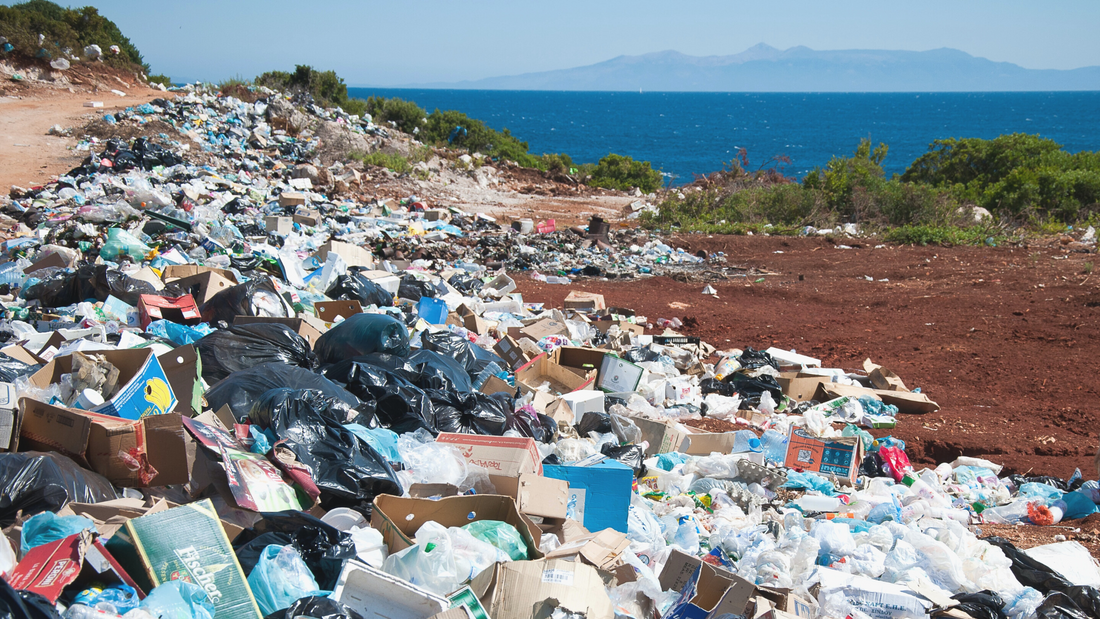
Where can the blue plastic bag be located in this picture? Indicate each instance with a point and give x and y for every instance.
(809, 481)
(668, 461)
(179, 334)
(178, 599)
(281, 578)
(384, 441)
(48, 527)
(1078, 505)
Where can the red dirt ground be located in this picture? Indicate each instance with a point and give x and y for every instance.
(1004, 339)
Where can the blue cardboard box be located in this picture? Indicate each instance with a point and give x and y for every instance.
(144, 388)
(599, 495)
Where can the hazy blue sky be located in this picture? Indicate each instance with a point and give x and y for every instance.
(417, 41)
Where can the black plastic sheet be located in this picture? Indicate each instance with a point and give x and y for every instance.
(363, 334)
(240, 389)
(244, 346)
(36, 482)
(347, 470)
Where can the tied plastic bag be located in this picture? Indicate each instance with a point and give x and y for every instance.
(363, 334)
(280, 579)
(178, 599)
(501, 535)
(240, 390)
(430, 563)
(244, 346)
(48, 527)
(354, 286)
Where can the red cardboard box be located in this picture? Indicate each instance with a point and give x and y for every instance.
(181, 310)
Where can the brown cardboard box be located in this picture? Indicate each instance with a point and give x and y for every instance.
(882, 378)
(542, 369)
(181, 366)
(510, 351)
(398, 518)
(292, 198)
(156, 444)
(801, 387)
(471, 321)
(138, 369)
(307, 217)
(179, 271)
(717, 591)
(533, 589)
(580, 300)
(300, 325)
(543, 328)
(205, 285)
(328, 311)
(576, 358)
(281, 226)
(353, 255)
(838, 457)
(496, 385)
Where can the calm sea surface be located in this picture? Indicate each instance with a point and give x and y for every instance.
(688, 133)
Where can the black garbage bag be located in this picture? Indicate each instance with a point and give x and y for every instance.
(872, 466)
(240, 389)
(363, 334)
(244, 346)
(1056, 482)
(981, 605)
(1028, 571)
(712, 385)
(348, 471)
(413, 289)
(35, 482)
(470, 413)
(24, 604)
(751, 388)
(466, 284)
(595, 422)
(472, 357)
(354, 286)
(630, 455)
(539, 427)
(324, 548)
(10, 368)
(754, 359)
(63, 287)
(316, 608)
(1058, 605)
(1086, 598)
(400, 405)
(640, 354)
(256, 297)
(113, 283)
(436, 371)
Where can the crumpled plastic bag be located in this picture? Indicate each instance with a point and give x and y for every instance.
(363, 334)
(429, 563)
(120, 243)
(501, 535)
(808, 481)
(324, 548)
(280, 579)
(49, 527)
(178, 599)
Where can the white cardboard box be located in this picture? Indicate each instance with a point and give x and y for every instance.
(586, 401)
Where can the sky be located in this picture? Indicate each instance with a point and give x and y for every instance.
(422, 41)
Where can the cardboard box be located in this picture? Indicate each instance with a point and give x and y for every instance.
(580, 359)
(589, 301)
(398, 519)
(329, 311)
(906, 401)
(49, 568)
(148, 452)
(494, 384)
(181, 310)
(834, 457)
(619, 375)
(353, 255)
(799, 386)
(307, 217)
(300, 326)
(183, 368)
(515, 469)
(204, 285)
(542, 369)
(203, 556)
(533, 589)
(54, 260)
(175, 272)
(662, 436)
(144, 387)
(281, 226)
(602, 550)
(544, 328)
(510, 351)
(706, 591)
(599, 495)
(471, 321)
(291, 198)
(375, 594)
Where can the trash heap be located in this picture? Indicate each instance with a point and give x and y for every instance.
(226, 396)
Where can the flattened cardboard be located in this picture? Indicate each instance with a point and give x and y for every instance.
(155, 445)
(883, 378)
(54, 260)
(329, 311)
(532, 589)
(906, 401)
(494, 384)
(299, 325)
(399, 518)
(602, 550)
(205, 285)
(353, 255)
(535, 495)
(542, 369)
(706, 591)
(834, 457)
(544, 328)
(144, 389)
(49, 568)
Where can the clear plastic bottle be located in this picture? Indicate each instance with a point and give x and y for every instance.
(775, 446)
(80, 611)
(746, 440)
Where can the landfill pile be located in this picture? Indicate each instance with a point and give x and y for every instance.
(227, 394)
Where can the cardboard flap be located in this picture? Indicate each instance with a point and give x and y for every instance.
(329, 311)
(49, 428)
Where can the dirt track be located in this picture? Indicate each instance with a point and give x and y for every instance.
(1004, 339)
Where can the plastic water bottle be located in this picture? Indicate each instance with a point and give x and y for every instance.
(490, 370)
(775, 446)
(746, 440)
(80, 611)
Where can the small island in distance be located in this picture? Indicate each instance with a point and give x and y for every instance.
(763, 68)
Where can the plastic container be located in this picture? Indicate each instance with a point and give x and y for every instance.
(774, 445)
(746, 440)
(344, 518)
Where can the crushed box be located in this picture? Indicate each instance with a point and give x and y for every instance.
(144, 387)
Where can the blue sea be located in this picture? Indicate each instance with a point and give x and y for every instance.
(684, 134)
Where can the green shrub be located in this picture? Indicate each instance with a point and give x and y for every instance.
(67, 31)
(407, 115)
(326, 88)
(558, 163)
(163, 80)
(623, 173)
(392, 161)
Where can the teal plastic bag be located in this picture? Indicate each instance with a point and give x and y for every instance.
(500, 534)
(384, 441)
(179, 334)
(1078, 505)
(120, 242)
(281, 578)
(809, 481)
(48, 527)
(178, 599)
(668, 461)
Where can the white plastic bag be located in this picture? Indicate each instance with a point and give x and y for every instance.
(430, 563)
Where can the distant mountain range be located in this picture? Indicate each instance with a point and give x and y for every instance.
(799, 69)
